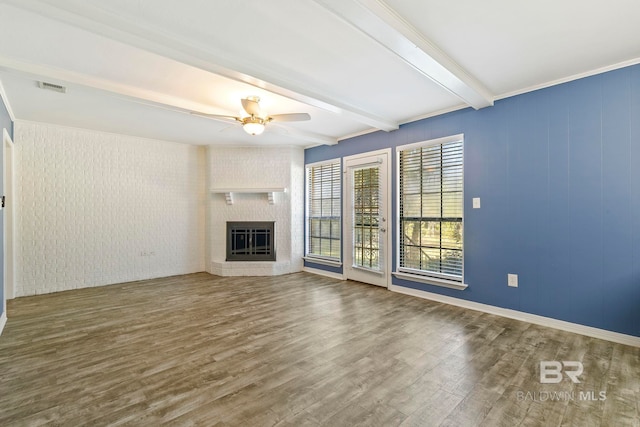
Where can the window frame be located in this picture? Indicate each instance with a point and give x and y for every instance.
(308, 255)
(417, 275)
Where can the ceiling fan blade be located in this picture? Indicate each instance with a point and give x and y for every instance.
(214, 116)
(251, 107)
(292, 117)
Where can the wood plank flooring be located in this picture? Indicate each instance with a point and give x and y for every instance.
(295, 350)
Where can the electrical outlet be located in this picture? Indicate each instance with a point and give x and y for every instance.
(476, 203)
(512, 280)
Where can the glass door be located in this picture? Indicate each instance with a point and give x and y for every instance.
(367, 244)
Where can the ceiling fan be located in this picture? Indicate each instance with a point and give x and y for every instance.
(254, 123)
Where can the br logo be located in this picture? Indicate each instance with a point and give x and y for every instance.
(551, 371)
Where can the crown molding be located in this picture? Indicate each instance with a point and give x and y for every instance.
(578, 76)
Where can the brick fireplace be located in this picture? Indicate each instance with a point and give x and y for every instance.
(242, 181)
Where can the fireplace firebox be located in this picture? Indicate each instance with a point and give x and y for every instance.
(251, 241)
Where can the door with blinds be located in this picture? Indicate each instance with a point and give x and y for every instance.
(367, 215)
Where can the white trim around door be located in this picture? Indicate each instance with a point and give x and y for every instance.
(8, 214)
(375, 187)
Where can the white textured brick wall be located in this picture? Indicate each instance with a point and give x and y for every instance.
(90, 203)
(256, 167)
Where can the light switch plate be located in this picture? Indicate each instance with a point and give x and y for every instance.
(476, 203)
(512, 280)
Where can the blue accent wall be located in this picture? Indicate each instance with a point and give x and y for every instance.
(5, 123)
(5, 119)
(558, 173)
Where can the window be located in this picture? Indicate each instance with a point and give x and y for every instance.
(323, 210)
(430, 184)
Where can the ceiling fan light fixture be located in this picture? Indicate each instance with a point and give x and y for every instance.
(255, 119)
(253, 125)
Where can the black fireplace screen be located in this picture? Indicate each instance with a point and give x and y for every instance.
(251, 241)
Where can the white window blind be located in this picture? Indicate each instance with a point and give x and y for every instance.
(431, 209)
(324, 210)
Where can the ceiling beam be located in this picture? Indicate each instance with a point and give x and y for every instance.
(199, 55)
(131, 93)
(136, 94)
(381, 23)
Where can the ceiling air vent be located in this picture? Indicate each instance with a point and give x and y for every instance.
(53, 87)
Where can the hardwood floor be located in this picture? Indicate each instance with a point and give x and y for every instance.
(296, 350)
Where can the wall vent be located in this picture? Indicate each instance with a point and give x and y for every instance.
(52, 86)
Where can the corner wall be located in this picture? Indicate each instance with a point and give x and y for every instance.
(97, 208)
(557, 171)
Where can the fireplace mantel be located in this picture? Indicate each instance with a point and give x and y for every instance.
(228, 192)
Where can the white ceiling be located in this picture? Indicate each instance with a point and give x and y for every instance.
(139, 67)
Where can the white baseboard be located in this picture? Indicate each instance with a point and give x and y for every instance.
(324, 273)
(3, 321)
(524, 317)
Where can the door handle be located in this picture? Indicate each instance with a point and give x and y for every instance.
(382, 230)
